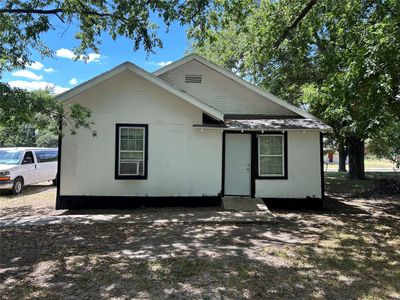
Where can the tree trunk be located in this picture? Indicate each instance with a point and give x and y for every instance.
(355, 150)
(342, 157)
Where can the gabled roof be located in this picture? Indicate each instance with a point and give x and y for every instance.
(146, 75)
(235, 78)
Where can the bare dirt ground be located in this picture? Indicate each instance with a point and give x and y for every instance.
(37, 199)
(349, 250)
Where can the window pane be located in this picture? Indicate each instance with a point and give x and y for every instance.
(139, 133)
(278, 165)
(124, 144)
(139, 144)
(124, 133)
(131, 133)
(266, 165)
(271, 145)
(278, 140)
(131, 155)
(271, 165)
(131, 145)
(277, 149)
(266, 143)
(46, 155)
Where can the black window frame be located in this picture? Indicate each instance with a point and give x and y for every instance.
(117, 151)
(285, 157)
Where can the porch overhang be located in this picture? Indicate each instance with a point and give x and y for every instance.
(268, 125)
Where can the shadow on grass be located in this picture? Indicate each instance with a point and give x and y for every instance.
(340, 252)
(16, 213)
(338, 184)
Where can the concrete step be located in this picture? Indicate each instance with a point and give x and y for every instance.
(244, 204)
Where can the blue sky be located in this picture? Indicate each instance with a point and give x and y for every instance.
(61, 72)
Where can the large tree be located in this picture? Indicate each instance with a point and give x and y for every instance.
(338, 59)
(22, 23)
(22, 111)
(22, 136)
(386, 143)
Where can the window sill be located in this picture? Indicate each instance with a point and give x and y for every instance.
(282, 177)
(130, 177)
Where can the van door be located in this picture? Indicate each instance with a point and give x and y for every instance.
(41, 172)
(46, 164)
(28, 168)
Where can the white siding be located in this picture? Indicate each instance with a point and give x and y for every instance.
(221, 92)
(304, 170)
(182, 161)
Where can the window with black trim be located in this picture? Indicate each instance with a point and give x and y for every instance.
(131, 151)
(271, 155)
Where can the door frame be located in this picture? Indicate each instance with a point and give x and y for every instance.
(253, 158)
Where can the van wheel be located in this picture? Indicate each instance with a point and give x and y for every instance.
(54, 182)
(18, 186)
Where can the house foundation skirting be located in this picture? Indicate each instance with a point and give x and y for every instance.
(82, 201)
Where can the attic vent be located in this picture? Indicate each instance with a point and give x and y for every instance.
(190, 78)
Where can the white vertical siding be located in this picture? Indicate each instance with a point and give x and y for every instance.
(304, 170)
(182, 161)
(221, 92)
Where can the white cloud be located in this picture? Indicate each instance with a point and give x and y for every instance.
(164, 63)
(73, 81)
(49, 70)
(66, 53)
(93, 57)
(37, 85)
(27, 74)
(35, 65)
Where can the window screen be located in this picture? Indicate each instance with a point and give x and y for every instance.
(271, 155)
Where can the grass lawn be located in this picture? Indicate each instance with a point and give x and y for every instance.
(349, 250)
(370, 163)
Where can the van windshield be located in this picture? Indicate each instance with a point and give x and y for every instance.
(10, 157)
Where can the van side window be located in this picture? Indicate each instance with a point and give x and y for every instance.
(46, 155)
(28, 158)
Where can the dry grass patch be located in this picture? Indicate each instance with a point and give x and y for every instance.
(350, 250)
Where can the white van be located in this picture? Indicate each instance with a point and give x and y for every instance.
(24, 166)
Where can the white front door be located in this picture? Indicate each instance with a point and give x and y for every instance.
(237, 164)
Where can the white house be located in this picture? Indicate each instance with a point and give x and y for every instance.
(188, 133)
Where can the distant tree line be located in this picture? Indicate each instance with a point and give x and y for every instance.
(27, 136)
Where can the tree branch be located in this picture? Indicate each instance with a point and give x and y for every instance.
(295, 22)
(48, 11)
(31, 11)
